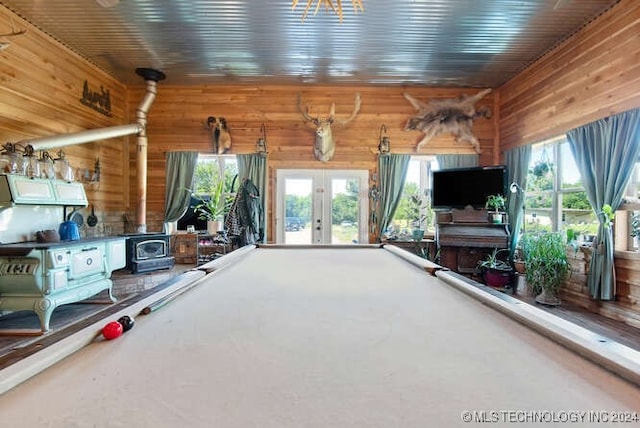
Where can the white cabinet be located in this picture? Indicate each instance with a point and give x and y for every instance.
(69, 193)
(19, 189)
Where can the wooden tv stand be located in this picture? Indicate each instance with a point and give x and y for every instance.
(465, 237)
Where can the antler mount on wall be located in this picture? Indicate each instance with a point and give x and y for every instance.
(325, 146)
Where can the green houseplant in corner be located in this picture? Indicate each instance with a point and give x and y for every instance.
(495, 203)
(547, 266)
(213, 209)
(417, 214)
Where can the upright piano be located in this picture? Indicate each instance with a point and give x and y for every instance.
(465, 237)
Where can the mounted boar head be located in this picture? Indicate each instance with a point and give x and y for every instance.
(324, 146)
(454, 116)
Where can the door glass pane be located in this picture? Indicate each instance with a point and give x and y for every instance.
(345, 211)
(297, 200)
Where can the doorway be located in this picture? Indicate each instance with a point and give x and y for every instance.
(321, 206)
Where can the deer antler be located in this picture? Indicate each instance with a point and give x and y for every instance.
(304, 113)
(356, 110)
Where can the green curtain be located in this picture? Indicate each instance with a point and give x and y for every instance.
(392, 169)
(179, 175)
(254, 167)
(605, 152)
(456, 161)
(517, 161)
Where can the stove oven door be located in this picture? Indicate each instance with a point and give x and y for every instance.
(86, 261)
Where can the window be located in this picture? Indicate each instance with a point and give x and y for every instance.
(628, 227)
(418, 181)
(210, 169)
(555, 197)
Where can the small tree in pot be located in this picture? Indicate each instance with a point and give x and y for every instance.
(547, 266)
(418, 206)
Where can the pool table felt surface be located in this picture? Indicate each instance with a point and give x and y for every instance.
(315, 338)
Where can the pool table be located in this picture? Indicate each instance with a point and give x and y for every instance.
(336, 336)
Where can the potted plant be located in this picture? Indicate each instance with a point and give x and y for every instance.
(635, 229)
(519, 255)
(547, 266)
(213, 209)
(572, 240)
(417, 206)
(495, 203)
(496, 272)
(541, 168)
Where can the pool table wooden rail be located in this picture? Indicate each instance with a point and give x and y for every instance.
(613, 356)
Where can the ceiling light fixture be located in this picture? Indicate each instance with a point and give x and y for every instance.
(328, 4)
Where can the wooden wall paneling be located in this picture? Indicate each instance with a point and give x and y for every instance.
(591, 75)
(625, 308)
(594, 74)
(41, 84)
(177, 121)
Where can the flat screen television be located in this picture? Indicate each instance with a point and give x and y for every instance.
(190, 217)
(459, 188)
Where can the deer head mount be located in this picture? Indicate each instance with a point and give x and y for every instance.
(324, 146)
(454, 116)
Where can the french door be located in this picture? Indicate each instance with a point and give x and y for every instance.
(320, 206)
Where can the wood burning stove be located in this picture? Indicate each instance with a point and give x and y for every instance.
(147, 252)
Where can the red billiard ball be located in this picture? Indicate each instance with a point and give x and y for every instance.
(112, 330)
(127, 323)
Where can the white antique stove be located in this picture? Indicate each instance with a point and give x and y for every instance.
(42, 276)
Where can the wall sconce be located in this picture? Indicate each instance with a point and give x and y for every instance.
(261, 144)
(384, 145)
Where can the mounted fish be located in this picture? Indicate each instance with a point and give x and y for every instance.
(454, 116)
(220, 136)
(325, 146)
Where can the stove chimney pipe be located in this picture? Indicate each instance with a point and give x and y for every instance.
(152, 77)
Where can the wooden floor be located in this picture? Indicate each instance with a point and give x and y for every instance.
(21, 330)
(615, 330)
(128, 286)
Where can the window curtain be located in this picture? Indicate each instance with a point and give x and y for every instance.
(517, 161)
(179, 173)
(254, 167)
(605, 152)
(392, 169)
(457, 161)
